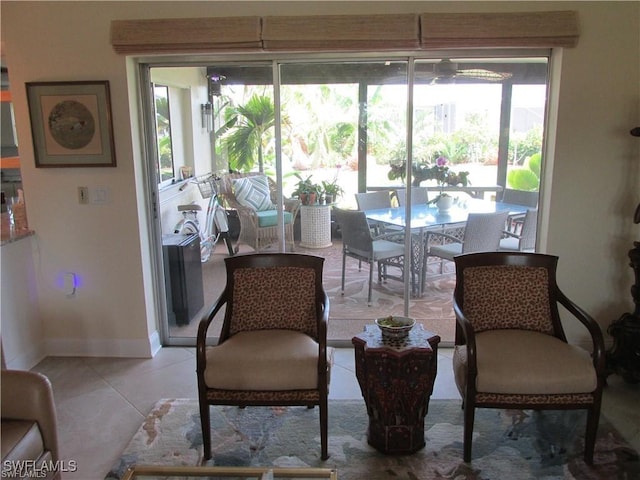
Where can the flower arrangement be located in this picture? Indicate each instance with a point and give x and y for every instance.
(438, 171)
(441, 173)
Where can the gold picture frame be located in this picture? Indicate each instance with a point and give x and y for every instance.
(71, 124)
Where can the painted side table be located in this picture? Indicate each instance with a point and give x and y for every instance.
(315, 226)
(396, 379)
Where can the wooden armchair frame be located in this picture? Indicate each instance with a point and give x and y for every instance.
(478, 272)
(289, 275)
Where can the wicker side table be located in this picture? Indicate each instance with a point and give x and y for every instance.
(396, 380)
(315, 226)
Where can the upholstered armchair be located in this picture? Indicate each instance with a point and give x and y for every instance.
(253, 195)
(273, 344)
(511, 351)
(29, 423)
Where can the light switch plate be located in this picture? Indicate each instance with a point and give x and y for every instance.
(83, 195)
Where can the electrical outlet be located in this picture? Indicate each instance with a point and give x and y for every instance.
(83, 195)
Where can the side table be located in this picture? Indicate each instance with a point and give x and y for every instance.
(396, 379)
(315, 226)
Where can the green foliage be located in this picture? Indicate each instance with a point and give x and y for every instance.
(527, 177)
(535, 162)
(524, 145)
(420, 172)
(246, 129)
(305, 186)
(332, 188)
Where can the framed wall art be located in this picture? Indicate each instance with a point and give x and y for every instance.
(71, 124)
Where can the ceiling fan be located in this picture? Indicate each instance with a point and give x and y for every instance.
(446, 71)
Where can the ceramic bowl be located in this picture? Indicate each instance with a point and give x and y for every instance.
(400, 328)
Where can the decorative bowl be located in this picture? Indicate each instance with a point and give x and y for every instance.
(394, 328)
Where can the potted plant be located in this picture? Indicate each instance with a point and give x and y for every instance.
(306, 190)
(331, 191)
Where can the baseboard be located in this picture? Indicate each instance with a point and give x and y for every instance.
(26, 360)
(124, 347)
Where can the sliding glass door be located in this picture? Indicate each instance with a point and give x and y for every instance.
(343, 126)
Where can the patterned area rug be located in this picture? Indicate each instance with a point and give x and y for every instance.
(508, 444)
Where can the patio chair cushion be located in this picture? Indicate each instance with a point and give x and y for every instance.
(253, 192)
(269, 218)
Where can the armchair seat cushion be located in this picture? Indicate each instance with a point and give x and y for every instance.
(525, 362)
(21, 440)
(264, 360)
(269, 218)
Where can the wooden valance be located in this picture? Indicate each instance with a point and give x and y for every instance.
(470, 30)
(346, 32)
(341, 32)
(185, 35)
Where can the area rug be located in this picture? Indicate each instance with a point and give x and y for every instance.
(508, 444)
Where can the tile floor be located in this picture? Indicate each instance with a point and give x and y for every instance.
(101, 402)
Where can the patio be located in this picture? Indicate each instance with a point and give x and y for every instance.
(349, 313)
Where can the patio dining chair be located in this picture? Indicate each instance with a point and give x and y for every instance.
(373, 201)
(521, 235)
(359, 243)
(482, 233)
(419, 195)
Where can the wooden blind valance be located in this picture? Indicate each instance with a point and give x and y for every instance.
(346, 32)
(184, 35)
(532, 29)
(341, 32)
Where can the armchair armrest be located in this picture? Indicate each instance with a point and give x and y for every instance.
(592, 326)
(292, 205)
(29, 396)
(203, 327)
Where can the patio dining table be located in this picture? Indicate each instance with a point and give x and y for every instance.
(426, 217)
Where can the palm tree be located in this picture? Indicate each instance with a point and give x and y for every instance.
(245, 129)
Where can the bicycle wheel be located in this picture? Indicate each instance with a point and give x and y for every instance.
(206, 246)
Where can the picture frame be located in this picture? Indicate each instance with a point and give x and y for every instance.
(71, 124)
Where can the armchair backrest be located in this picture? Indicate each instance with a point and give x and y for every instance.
(355, 230)
(500, 290)
(274, 291)
(483, 231)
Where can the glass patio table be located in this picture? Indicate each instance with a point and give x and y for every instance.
(426, 217)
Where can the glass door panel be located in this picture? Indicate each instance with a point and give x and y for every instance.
(342, 122)
(477, 129)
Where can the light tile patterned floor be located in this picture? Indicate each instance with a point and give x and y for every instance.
(101, 402)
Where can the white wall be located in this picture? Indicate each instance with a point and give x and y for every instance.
(587, 212)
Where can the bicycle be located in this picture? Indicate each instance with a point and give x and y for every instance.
(216, 225)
